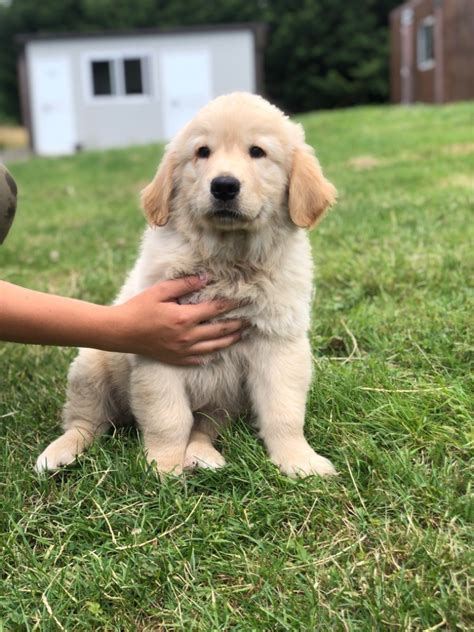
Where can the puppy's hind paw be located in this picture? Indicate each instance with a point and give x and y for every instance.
(53, 458)
(62, 451)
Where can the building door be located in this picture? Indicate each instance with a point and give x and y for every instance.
(54, 131)
(186, 85)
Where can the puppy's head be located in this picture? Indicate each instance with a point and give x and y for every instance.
(239, 164)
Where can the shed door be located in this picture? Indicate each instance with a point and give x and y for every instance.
(52, 106)
(186, 81)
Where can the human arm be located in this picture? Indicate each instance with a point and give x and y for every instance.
(151, 323)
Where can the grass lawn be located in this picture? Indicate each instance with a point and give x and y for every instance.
(105, 545)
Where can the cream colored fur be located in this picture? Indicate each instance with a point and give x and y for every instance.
(263, 260)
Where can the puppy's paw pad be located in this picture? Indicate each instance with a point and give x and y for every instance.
(202, 455)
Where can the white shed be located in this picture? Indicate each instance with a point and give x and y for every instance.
(115, 89)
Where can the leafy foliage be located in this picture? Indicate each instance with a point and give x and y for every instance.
(320, 53)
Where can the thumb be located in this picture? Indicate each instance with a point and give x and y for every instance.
(175, 288)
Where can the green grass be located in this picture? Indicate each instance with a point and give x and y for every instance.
(105, 545)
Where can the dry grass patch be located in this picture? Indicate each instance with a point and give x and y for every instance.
(458, 180)
(361, 163)
(13, 137)
(459, 149)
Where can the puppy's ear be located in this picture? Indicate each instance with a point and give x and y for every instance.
(156, 197)
(310, 194)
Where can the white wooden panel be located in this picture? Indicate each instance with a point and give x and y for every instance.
(187, 86)
(53, 107)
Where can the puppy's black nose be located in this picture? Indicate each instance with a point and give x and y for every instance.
(225, 187)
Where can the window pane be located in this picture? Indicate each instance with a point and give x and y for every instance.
(425, 44)
(429, 49)
(133, 76)
(101, 78)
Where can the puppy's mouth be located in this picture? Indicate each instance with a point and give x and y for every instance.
(227, 215)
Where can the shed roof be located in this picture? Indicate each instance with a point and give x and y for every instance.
(258, 28)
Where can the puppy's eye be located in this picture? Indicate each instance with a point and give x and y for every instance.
(256, 152)
(203, 152)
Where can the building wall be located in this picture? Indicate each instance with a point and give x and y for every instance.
(452, 77)
(424, 79)
(125, 121)
(458, 25)
(408, 83)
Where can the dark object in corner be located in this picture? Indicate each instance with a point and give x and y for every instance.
(8, 195)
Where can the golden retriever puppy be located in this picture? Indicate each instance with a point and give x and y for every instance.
(234, 193)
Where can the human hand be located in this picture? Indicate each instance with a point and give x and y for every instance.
(153, 324)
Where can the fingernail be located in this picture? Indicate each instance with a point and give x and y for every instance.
(203, 277)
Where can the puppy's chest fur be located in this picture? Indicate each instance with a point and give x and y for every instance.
(273, 295)
(262, 300)
(240, 282)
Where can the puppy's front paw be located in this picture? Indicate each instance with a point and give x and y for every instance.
(200, 454)
(165, 463)
(302, 461)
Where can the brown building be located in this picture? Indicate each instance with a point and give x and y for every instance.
(432, 51)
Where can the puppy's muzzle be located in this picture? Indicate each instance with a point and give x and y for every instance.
(225, 188)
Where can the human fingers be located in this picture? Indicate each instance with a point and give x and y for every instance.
(214, 331)
(175, 288)
(209, 346)
(201, 312)
(196, 354)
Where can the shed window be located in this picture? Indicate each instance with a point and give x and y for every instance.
(133, 76)
(425, 44)
(102, 78)
(120, 77)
